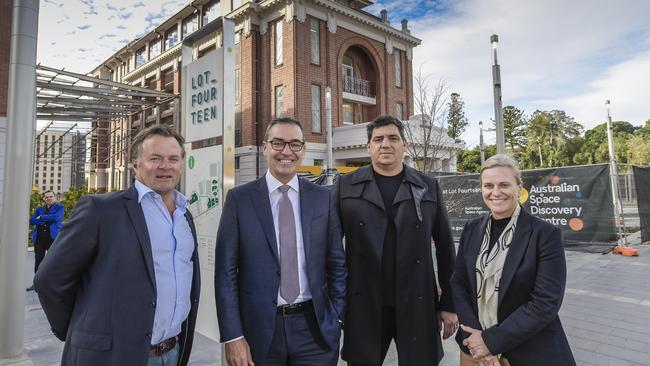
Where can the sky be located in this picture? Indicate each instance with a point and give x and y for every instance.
(554, 54)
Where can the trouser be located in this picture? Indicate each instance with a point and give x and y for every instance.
(388, 333)
(297, 341)
(42, 245)
(467, 360)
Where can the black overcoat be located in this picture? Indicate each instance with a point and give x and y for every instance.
(420, 217)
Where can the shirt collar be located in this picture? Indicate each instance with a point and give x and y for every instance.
(272, 183)
(143, 190)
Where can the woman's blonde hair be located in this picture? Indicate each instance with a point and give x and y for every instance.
(502, 160)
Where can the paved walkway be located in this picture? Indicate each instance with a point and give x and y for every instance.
(606, 315)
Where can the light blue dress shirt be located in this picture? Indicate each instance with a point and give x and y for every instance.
(172, 245)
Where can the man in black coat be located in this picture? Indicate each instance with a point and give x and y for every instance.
(390, 214)
(121, 284)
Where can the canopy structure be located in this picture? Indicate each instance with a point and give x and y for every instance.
(67, 96)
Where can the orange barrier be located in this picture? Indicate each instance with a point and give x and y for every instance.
(626, 251)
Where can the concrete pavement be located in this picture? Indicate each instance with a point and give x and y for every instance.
(606, 315)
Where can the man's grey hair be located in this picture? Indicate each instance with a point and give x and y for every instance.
(502, 160)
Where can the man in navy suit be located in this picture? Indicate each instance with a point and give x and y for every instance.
(47, 223)
(121, 283)
(280, 267)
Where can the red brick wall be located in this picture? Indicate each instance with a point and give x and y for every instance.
(297, 74)
(5, 46)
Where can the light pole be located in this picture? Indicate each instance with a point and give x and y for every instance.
(481, 146)
(498, 109)
(618, 208)
(328, 119)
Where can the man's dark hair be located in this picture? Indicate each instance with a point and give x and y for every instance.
(48, 191)
(282, 121)
(382, 121)
(161, 130)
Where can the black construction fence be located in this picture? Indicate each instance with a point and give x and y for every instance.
(575, 199)
(642, 183)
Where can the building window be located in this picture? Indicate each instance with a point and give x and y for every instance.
(140, 59)
(399, 111)
(314, 41)
(315, 108)
(171, 37)
(237, 162)
(318, 162)
(210, 11)
(36, 175)
(278, 42)
(348, 113)
(154, 48)
(190, 24)
(398, 68)
(237, 37)
(279, 91)
(237, 87)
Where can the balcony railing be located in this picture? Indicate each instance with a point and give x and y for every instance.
(358, 86)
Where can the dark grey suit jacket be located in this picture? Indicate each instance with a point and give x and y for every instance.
(97, 284)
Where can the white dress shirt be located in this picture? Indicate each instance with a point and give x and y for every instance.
(294, 196)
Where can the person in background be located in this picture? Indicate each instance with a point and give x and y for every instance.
(47, 223)
(509, 280)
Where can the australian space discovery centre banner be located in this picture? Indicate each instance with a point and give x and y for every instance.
(575, 199)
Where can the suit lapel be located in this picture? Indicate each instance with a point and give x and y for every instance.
(518, 246)
(263, 204)
(306, 212)
(371, 190)
(475, 240)
(136, 216)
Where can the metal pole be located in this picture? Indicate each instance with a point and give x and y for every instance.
(19, 159)
(618, 208)
(481, 146)
(328, 120)
(498, 109)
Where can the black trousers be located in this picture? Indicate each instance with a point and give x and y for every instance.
(388, 333)
(42, 245)
(297, 341)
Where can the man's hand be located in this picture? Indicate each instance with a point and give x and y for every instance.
(449, 321)
(238, 353)
(474, 342)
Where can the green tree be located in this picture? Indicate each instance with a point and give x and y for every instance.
(456, 120)
(514, 128)
(639, 149)
(549, 136)
(595, 149)
(469, 161)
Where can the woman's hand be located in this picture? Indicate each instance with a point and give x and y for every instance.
(474, 342)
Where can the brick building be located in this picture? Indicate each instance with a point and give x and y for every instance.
(288, 52)
(5, 48)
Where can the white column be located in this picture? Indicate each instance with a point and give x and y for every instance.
(19, 158)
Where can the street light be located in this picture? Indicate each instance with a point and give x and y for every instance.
(481, 146)
(498, 109)
(613, 172)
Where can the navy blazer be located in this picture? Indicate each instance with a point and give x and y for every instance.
(97, 284)
(247, 269)
(531, 289)
(54, 217)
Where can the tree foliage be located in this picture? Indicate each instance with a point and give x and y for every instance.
(456, 120)
(514, 128)
(469, 161)
(550, 139)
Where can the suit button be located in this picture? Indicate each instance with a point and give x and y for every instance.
(275, 302)
(417, 226)
(277, 273)
(153, 304)
(419, 297)
(148, 335)
(361, 223)
(417, 261)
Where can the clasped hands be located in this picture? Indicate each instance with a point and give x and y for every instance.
(477, 347)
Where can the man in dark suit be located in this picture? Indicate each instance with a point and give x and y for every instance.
(47, 223)
(121, 283)
(280, 266)
(390, 215)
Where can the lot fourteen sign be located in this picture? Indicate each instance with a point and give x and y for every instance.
(575, 199)
(204, 100)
